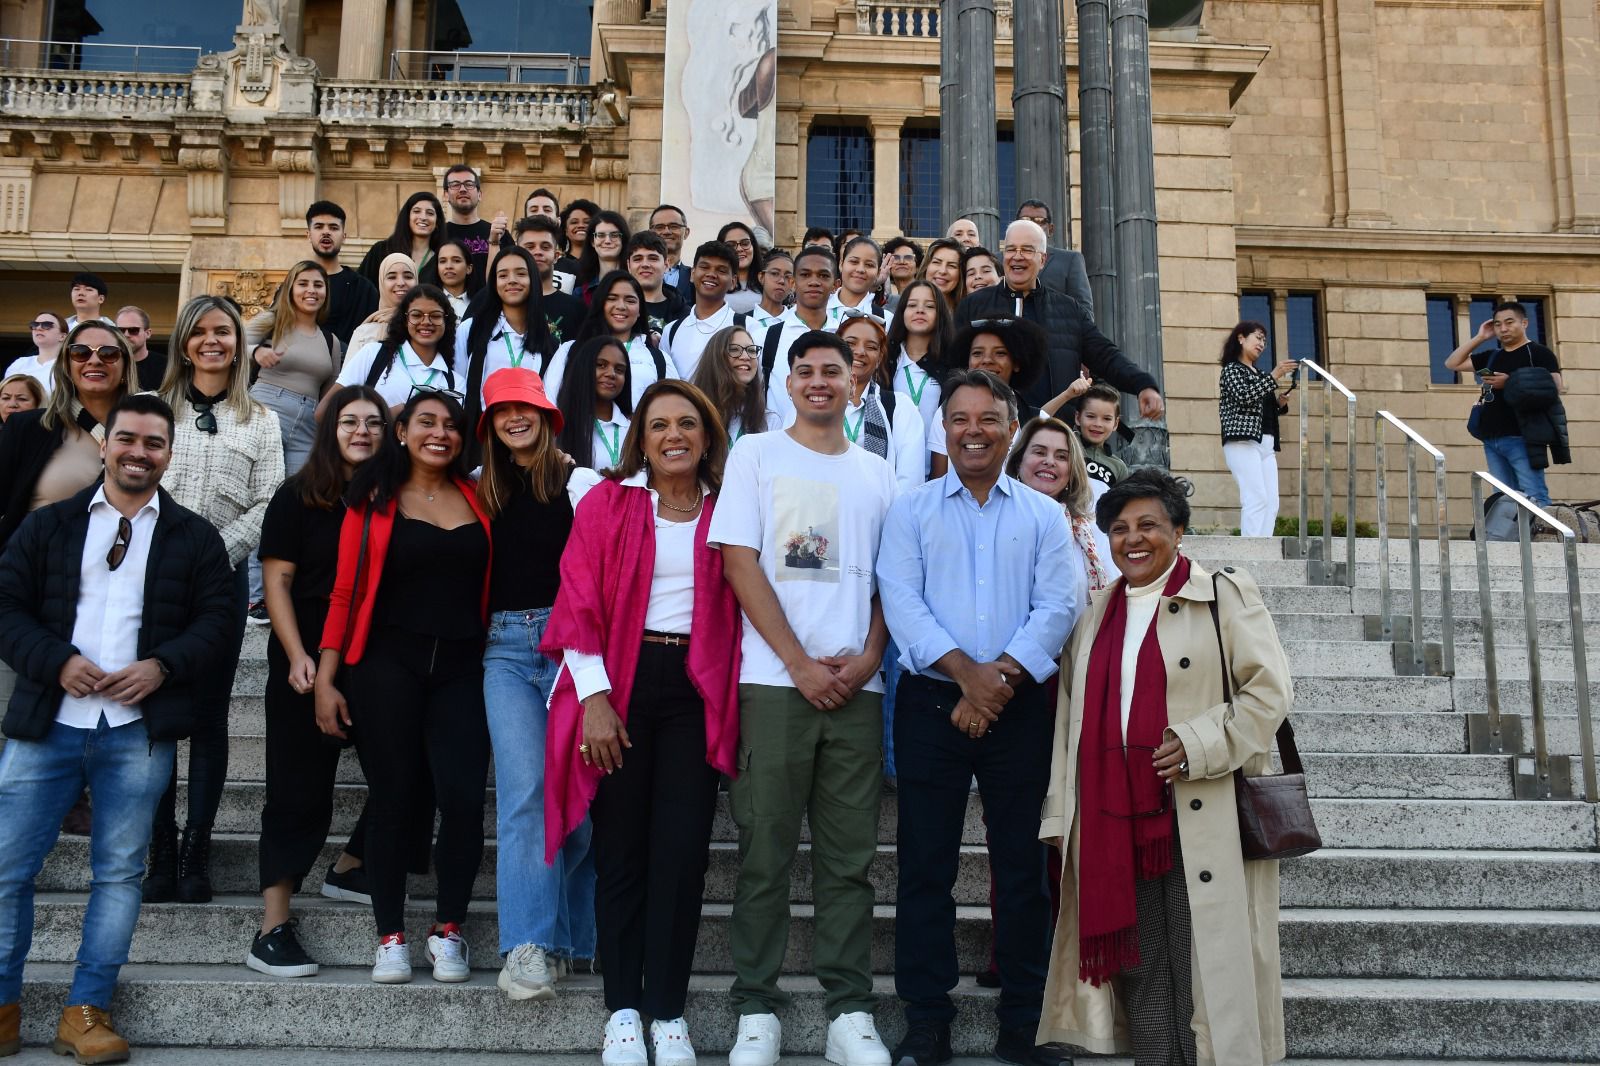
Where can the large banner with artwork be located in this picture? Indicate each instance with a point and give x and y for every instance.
(719, 113)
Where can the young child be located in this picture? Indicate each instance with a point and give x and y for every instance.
(1098, 417)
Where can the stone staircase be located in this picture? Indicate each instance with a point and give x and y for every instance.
(1444, 920)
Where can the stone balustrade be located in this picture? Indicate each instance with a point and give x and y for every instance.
(421, 105)
(89, 95)
(917, 18)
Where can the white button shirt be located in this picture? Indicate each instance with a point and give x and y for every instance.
(110, 608)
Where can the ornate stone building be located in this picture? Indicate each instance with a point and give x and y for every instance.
(1366, 175)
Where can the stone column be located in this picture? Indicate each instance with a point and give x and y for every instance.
(1572, 28)
(1350, 47)
(977, 183)
(949, 93)
(402, 34)
(1038, 100)
(1094, 139)
(1138, 310)
(361, 26)
(886, 177)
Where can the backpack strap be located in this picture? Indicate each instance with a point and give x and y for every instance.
(380, 365)
(769, 351)
(660, 360)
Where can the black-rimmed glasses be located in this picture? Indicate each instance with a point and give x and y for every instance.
(751, 350)
(119, 547)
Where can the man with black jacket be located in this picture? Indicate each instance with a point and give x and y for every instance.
(112, 605)
(1074, 339)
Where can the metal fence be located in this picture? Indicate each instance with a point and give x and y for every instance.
(23, 54)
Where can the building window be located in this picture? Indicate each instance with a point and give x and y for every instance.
(1303, 310)
(1443, 335)
(1005, 163)
(839, 176)
(526, 41)
(138, 36)
(1257, 307)
(1441, 339)
(919, 183)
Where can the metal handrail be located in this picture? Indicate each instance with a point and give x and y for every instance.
(103, 57)
(401, 64)
(1329, 383)
(1414, 440)
(1527, 510)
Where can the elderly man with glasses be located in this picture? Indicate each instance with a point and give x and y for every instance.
(112, 604)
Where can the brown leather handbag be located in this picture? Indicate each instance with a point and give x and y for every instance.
(1274, 809)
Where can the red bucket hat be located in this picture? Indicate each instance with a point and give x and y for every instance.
(515, 385)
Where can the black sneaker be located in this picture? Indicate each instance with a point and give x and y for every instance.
(350, 886)
(1017, 1047)
(258, 615)
(279, 954)
(925, 1044)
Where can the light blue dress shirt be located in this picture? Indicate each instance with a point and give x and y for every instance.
(1001, 578)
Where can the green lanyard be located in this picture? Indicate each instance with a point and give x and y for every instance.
(915, 389)
(614, 445)
(415, 384)
(515, 357)
(855, 434)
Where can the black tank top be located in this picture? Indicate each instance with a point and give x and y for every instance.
(432, 581)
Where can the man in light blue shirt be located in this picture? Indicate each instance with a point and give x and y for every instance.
(980, 585)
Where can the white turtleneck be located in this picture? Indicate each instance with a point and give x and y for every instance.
(1142, 604)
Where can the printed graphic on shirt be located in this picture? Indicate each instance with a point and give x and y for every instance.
(477, 247)
(806, 516)
(1100, 471)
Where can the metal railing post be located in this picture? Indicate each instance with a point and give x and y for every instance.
(1491, 674)
(1580, 671)
(1447, 628)
(1530, 618)
(1414, 536)
(1381, 487)
(1327, 475)
(1350, 492)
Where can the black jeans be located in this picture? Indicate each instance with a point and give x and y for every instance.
(652, 831)
(208, 746)
(936, 763)
(417, 705)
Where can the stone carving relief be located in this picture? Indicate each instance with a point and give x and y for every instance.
(251, 289)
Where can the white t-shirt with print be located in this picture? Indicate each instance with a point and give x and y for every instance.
(815, 519)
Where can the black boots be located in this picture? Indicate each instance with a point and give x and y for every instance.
(161, 879)
(194, 865)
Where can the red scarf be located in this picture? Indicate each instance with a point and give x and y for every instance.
(1118, 787)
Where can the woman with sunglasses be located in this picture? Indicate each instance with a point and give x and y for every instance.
(397, 275)
(418, 233)
(746, 294)
(20, 392)
(415, 352)
(508, 327)
(617, 312)
(227, 461)
(608, 236)
(406, 620)
(546, 909)
(299, 551)
(49, 333)
(728, 373)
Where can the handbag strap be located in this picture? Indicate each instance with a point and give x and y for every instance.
(355, 595)
(1285, 736)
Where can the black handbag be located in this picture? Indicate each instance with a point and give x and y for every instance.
(1275, 819)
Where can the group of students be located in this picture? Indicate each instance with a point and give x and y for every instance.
(630, 558)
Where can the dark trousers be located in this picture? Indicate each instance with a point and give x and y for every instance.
(208, 746)
(417, 705)
(652, 830)
(302, 764)
(1159, 991)
(936, 763)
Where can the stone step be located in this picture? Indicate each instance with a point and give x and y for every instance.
(173, 1056)
(1463, 575)
(1503, 604)
(214, 1006)
(1316, 942)
(1508, 632)
(1212, 548)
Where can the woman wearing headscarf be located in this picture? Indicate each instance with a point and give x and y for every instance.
(397, 275)
(1173, 680)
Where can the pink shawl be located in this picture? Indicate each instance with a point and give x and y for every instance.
(600, 610)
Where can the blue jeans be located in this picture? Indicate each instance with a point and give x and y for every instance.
(1508, 461)
(299, 431)
(39, 780)
(550, 906)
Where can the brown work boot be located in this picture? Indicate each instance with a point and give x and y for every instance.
(10, 1029)
(85, 1033)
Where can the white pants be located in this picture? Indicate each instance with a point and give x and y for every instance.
(1255, 468)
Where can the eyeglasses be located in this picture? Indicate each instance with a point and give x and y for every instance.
(206, 420)
(131, 331)
(457, 186)
(751, 350)
(742, 245)
(853, 312)
(902, 257)
(80, 353)
(666, 228)
(119, 547)
(416, 318)
(44, 323)
(350, 423)
(607, 235)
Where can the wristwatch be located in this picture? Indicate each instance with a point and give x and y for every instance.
(166, 671)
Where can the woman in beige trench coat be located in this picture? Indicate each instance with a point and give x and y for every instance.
(1233, 963)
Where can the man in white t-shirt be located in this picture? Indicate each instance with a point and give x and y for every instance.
(716, 264)
(798, 521)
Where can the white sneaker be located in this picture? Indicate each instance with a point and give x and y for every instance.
(757, 1042)
(624, 1044)
(853, 1041)
(671, 1041)
(448, 954)
(393, 964)
(528, 973)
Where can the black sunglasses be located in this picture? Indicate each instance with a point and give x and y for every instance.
(206, 420)
(119, 547)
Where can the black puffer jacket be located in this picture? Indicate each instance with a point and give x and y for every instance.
(187, 606)
(1533, 395)
(1074, 340)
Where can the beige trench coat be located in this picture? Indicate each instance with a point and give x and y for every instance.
(1238, 996)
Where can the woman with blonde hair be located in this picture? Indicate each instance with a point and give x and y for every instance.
(729, 373)
(1048, 458)
(227, 461)
(20, 392)
(397, 275)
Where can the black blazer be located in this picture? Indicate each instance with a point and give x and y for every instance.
(188, 603)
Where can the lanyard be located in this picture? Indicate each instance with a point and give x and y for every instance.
(614, 445)
(428, 384)
(915, 389)
(861, 416)
(516, 358)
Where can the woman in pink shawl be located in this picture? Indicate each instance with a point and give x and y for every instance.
(645, 711)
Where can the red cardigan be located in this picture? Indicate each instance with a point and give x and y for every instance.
(338, 626)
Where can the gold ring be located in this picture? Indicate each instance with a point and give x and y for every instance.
(583, 749)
